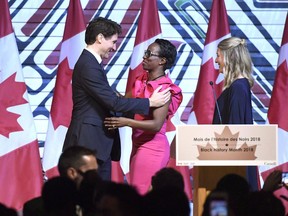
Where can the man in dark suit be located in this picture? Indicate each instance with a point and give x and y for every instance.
(94, 99)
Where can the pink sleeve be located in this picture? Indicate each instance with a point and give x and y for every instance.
(176, 99)
(176, 92)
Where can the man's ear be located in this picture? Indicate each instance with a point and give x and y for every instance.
(99, 37)
(72, 173)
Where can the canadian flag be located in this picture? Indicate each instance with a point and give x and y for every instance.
(21, 176)
(148, 31)
(278, 114)
(72, 45)
(203, 100)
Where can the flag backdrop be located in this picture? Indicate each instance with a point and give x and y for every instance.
(278, 114)
(20, 168)
(148, 31)
(203, 99)
(39, 27)
(278, 108)
(61, 110)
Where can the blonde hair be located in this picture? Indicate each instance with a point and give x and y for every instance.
(237, 60)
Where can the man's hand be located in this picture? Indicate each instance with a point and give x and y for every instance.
(158, 99)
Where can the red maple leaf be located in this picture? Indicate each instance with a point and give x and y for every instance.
(11, 94)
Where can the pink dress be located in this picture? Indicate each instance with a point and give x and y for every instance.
(151, 150)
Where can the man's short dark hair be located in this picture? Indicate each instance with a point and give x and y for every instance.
(103, 26)
(73, 157)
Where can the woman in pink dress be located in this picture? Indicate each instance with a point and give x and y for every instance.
(151, 150)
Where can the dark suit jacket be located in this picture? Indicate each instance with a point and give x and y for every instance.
(93, 100)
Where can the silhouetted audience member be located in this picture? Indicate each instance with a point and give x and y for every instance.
(167, 177)
(233, 184)
(241, 201)
(115, 199)
(278, 187)
(33, 207)
(5, 211)
(217, 203)
(166, 201)
(263, 203)
(59, 196)
(273, 181)
(89, 187)
(237, 188)
(73, 163)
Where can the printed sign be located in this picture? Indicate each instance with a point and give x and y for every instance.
(226, 145)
